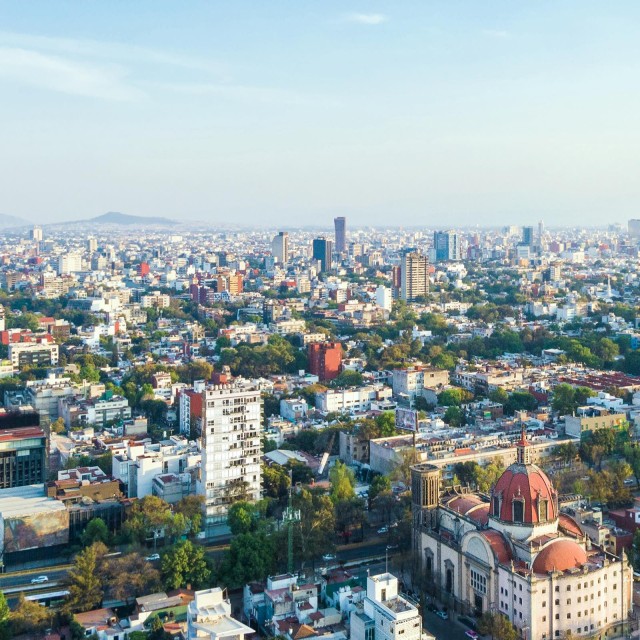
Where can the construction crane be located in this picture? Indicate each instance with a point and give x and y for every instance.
(326, 454)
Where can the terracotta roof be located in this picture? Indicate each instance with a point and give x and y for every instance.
(569, 525)
(498, 545)
(560, 555)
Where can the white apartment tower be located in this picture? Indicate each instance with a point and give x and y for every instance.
(280, 247)
(231, 449)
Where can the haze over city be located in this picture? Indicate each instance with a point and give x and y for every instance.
(281, 113)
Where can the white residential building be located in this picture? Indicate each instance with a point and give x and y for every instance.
(231, 449)
(69, 263)
(384, 297)
(209, 617)
(386, 615)
(33, 354)
(412, 381)
(352, 399)
(137, 465)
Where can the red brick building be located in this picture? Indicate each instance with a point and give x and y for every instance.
(325, 359)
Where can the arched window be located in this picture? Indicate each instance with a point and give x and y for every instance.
(543, 510)
(518, 510)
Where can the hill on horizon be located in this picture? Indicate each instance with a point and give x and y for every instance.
(8, 222)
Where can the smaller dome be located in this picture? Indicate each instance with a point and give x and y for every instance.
(560, 556)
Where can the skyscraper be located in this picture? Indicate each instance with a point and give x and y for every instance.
(447, 246)
(340, 224)
(527, 236)
(231, 449)
(414, 276)
(280, 247)
(36, 234)
(322, 249)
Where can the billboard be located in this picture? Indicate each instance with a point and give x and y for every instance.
(407, 420)
(40, 529)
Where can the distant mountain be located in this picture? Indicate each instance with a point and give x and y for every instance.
(7, 222)
(113, 217)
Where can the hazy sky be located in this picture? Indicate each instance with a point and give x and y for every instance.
(291, 112)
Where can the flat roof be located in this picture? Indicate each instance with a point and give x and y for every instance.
(23, 501)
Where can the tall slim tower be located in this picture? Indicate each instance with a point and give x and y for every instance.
(414, 276)
(322, 250)
(36, 234)
(340, 224)
(231, 449)
(280, 247)
(527, 236)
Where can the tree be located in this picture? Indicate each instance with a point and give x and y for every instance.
(386, 423)
(632, 456)
(185, 564)
(275, 480)
(347, 378)
(564, 399)
(95, 531)
(349, 516)
(83, 579)
(5, 614)
(315, 532)
(454, 416)
(129, 576)
(378, 485)
(600, 484)
(467, 473)
(58, 426)
(342, 482)
(251, 556)
(402, 471)
(151, 516)
(241, 517)
(28, 616)
(454, 397)
(567, 451)
(488, 475)
(191, 508)
(497, 626)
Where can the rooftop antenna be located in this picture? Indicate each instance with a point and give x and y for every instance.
(289, 518)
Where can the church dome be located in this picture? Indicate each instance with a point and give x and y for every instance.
(560, 556)
(524, 494)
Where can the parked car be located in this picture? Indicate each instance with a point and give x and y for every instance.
(39, 580)
(383, 530)
(442, 614)
(468, 622)
(470, 633)
(327, 557)
(152, 557)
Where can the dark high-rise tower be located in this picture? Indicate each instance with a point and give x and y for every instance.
(341, 234)
(322, 249)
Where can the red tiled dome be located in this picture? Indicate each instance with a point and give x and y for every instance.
(560, 556)
(530, 487)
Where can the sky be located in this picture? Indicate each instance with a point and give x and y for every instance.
(288, 113)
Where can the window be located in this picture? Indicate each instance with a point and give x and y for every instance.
(544, 618)
(568, 616)
(544, 604)
(496, 506)
(557, 602)
(478, 582)
(557, 589)
(543, 510)
(518, 510)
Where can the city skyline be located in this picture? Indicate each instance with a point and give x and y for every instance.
(375, 112)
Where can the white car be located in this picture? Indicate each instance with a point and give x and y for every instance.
(328, 557)
(152, 557)
(39, 580)
(383, 530)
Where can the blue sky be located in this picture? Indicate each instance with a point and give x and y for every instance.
(435, 113)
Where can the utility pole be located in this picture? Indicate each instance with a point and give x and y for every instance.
(289, 518)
